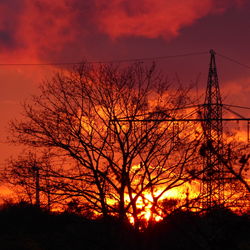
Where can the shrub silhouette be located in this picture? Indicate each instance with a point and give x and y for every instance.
(24, 226)
(217, 229)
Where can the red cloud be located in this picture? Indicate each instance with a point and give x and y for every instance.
(43, 27)
(47, 24)
(154, 18)
(46, 30)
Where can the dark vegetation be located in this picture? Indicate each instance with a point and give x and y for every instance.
(25, 226)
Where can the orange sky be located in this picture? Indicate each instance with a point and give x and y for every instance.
(42, 31)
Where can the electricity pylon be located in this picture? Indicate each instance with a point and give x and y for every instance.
(212, 149)
(211, 118)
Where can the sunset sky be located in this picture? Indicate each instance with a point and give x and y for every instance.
(54, 31)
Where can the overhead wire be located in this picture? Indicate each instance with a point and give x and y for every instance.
(233, 112)
(155, 112)
(233, 60)
(108, 61)
(236, 106)
(155, 58)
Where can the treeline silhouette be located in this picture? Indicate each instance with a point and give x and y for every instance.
(25, 226)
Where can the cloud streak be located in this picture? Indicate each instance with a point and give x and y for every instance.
(152, 19)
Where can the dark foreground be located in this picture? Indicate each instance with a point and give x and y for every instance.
(26, 227)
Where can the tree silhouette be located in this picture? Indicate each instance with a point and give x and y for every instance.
(87, 118)
(28, 176)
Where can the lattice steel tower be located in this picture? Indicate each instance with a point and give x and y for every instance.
(213, 177)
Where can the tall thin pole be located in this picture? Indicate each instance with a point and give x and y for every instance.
(213, 183)
(37, 182)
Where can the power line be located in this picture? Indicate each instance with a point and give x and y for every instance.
(156, 58)
(182, 120)
(111, 61)
(153, 58)
(40, 64)
(233, 60)
(236, 106)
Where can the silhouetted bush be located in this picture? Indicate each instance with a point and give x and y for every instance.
(217, 229)
(24, 226)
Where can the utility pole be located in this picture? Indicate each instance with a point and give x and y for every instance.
(37, 185)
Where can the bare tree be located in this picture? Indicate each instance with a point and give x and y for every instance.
(28, 177)
(236, 162)
(109, 121)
